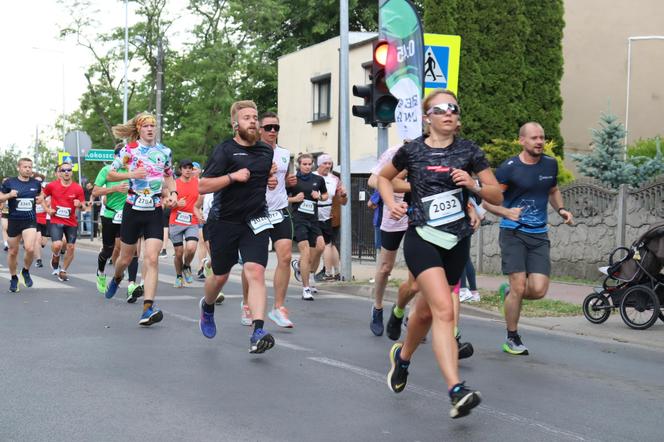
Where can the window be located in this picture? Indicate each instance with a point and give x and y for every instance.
(322, 94)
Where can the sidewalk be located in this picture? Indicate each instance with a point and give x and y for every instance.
(612, 331)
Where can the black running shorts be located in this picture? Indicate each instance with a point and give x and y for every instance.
(109, 231)
(282, 230)
(17, 226)
(44, 229)
(391, 240)
(326, 230)
(149, 223)
(422, 255)
(227, 239)
(524, 252)
(306, 230)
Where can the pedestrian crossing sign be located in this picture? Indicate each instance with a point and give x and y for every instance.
(66, 157)
(441, 62)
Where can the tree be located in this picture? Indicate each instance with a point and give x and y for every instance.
(605, 163)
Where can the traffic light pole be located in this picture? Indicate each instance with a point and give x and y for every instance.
(344, 139)
(382, 138)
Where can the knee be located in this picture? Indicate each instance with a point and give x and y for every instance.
(253, 271)
(13, 252)
(149, 260)
(70, 248)
(385, 268)
(29, 248)
(285, 259)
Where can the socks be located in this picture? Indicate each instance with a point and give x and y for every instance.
(207, 308)
(147, 304)
(132, 270)
(258, 324)
(399, 312)
(512, 334)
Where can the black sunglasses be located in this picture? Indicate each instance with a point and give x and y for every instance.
(442, 108)
(271, 127)
(65, 170)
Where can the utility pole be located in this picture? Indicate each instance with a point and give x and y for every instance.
(126, 62)
(344, 139)
(160, 86)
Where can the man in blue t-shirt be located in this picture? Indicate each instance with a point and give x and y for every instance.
(529, 182)
(20, 193)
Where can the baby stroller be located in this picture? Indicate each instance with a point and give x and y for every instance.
(633, 283)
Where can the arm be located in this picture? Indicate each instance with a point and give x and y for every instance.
(198, 208)
(387, 174)
(101, 191)
(556, 201)
(399, 183)
(489, 191)
(373, 181)
(211, 185)
(7, 196)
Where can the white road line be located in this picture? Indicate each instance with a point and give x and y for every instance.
(507, 417)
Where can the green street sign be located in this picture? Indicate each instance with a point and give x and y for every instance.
(100, 155)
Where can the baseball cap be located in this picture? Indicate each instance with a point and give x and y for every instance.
(186, 162)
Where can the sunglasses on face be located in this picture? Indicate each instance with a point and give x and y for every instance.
(442, 108)
(271, 127)
(65, 170)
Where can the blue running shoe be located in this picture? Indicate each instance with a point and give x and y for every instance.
(13, 284)
(27, 280)
(206, 323)
(151, 316)
(260, 341)
(376, 324)
(112, 288)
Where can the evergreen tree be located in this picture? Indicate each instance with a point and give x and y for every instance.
(606, 162)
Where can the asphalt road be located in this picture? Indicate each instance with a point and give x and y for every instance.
(77, 367)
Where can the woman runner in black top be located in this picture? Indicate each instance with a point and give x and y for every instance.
(436, 245)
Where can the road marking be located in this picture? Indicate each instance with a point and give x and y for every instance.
(421, 391)
(282, 343)
(179, 316)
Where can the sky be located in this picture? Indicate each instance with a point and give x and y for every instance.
(31, 78)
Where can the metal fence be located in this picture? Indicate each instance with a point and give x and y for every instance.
(363, 246)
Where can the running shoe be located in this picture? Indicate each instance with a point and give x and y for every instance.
(466, 349)
(186, 273)
(151, 316)
(397, 377)
(306, 294)
(27, 279)
(207, 267)
(201, 273)
(245, 318)
(313, 289)
(220, 298)
(112, 288)
(206, 322)
(134, 291)
(101, 282)
(39, 264)
(13, 284)
(6, 246)
(514, 346)
(55, 264)
(465, 295)
(295, 264)
(62, 276)
(463, 400)
(260, 341)
(280, 317)
(376, 324)
(475, 296)
(320, 276)
(179, 282)
(393, 328)
(337, 277)
(163, 253)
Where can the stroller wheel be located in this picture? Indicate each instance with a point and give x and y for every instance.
(640, 307)
(596, 308)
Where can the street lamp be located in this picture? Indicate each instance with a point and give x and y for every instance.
(126, 60)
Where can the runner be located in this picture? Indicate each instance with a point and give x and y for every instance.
(66, 196)
(334, 189)
(183, 224)
(149, 167)
(42, 227)
(436, 242)
(115, 195)
(529, 181)
(19, 193)
(304, 196)
(238, 219)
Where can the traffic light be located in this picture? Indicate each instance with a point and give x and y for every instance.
(364, 111)
(383, 102)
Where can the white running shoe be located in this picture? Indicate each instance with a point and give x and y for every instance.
(280, 317)
(306, 294)
(245, 317)
(475, 296)
(313, 289)
(465, 295)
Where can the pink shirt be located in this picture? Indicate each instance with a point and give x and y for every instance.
(388, 224)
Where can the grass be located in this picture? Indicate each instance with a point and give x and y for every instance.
(530, 309)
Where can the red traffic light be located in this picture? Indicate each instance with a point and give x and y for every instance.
(380, 53)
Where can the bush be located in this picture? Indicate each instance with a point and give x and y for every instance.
(643, 147)
(499, 150)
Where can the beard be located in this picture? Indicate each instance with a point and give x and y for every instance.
(249, 137)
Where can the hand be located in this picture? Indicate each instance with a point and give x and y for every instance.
(241, 175)
(139, 173)
(181, 202)
(299, 197)
(172, 200)
(513, 214)
(371, 205)
(272, 182)
(341, 190)
(50, 211)
(474, 219)
(567, 216)
(291, 180)
(13, 193)
(123, 187)
(398, 211)
(273, 169)
(315, 194)
(462, 178)
(77, 203)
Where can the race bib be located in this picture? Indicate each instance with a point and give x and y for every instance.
(259, 224)
(63, 212)
(144, 203)
(307, 207)
(443, 208)
(24, 204)
(117, 218)
(276, 217)
(184, 217)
